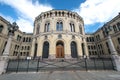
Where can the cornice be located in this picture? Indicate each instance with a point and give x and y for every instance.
(57, 32)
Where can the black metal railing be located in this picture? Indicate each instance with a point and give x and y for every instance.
(24, 65)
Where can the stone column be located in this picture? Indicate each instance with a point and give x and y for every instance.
(3, 64)
(114, 55)
(52, 51)
(67, 53)
(7, 48)
(86, 48)
(32, 47)
(4, 59)
(79, 48)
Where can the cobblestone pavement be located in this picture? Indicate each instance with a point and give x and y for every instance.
(63, 75)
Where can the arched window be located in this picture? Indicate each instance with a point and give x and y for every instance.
(15, 47)
(74, 53)
(55, 13)
(17, 37)
(47, 27)
(87, 39)
(37, 29)
(47, 14)
(59, 13)
(80, 29)
(119, 40)
(68, 14)
(59, 26)
(114, 27)
(1, 28)
(63, 13)
(118, 25)
(24, 39)
(72, 27)
(45, 52)
(74, 16)
(44, 15)
(50, 14)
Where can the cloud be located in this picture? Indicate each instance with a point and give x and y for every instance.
(8, 18)
(25, 25)
(98, 11)
(26, 11)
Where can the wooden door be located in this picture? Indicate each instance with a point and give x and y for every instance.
(59, 51)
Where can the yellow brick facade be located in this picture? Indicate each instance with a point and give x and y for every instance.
(17, 41)
(100, 40)
(56, 28)
(52, 17)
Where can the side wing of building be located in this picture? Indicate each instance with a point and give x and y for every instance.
(21, 42)
(97, 42)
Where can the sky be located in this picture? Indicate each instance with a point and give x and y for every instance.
(95, 13)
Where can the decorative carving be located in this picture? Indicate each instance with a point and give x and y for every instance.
(59, 36)
(46, 37)
(73, 37)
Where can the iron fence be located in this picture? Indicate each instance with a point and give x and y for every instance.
(24, 65)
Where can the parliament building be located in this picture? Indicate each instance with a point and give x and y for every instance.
(60, 34)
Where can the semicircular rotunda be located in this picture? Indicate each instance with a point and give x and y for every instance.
(59, 34)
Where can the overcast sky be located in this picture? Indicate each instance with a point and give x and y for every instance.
(94, 12)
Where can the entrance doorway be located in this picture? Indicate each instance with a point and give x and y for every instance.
(59, 49)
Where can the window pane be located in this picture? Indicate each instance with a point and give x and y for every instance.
(73, 28)
(48, 27)
(45, 50)
(60, 26)
(73, 50)
(1, 28)
(57, 26)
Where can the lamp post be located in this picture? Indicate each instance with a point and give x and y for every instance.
(114, 56)
(4, 58)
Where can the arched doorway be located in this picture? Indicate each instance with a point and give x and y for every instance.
(45, 52)
(59, 49)
(74, 53)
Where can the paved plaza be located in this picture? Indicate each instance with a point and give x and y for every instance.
(62, 75)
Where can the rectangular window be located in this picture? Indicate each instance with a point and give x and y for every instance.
(24, 39)
(88, 47)
(28, 47)
(92, 39)
(21, 54)
(93, 52)
(89, 52)
(91, 47)
(29, 39)
(1, 28)
(119, 40)
(27, 53)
